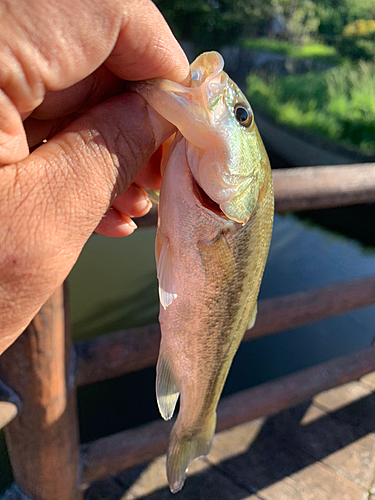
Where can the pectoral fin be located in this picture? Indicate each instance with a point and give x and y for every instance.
(167, 280)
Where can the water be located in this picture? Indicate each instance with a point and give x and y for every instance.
(113, 284)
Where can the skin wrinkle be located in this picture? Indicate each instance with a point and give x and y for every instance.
(46, 67)
(26, 247)
(97, 150)
(24, 194)
(74, 43)
(125, 150)
(21, 82)
(39, 203)
(79, 191)
(130, 158)
(32, 262)
(34, 88)
(124, 160)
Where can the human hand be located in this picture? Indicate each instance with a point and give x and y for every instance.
(62, 71)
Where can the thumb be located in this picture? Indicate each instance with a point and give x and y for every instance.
(98, 156)
(55, 198)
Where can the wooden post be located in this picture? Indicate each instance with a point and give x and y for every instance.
(42, 441)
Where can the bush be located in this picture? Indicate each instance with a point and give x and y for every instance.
(336, 14)
(358, 40)
(338, 104)
(212, 24)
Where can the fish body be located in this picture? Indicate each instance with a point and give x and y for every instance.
(214, 229)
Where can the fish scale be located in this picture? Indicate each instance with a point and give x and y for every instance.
(211, 248)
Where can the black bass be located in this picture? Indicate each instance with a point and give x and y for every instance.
(215, 222)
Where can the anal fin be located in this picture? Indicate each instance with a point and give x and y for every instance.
(166, 388)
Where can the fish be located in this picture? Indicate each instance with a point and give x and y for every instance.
(215, 220)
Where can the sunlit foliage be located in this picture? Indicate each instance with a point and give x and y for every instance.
(338, 103)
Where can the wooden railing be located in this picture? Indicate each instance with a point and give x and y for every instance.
(41, 370)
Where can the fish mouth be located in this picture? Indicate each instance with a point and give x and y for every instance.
(206, 202)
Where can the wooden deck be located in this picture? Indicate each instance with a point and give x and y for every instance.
(323, 449)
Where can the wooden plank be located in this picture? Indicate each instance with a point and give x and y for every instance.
(123, 450)
(298, 309)
(291, 390)
(309, 188)
(117, 353)
(43, 441)
(130, 350)
(115, 453)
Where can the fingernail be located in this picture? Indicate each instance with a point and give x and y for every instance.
(145, 202)
(129, 222)
(149, 204)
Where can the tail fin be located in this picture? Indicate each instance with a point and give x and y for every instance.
(183, 448)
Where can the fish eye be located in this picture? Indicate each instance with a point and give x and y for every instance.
(243, 114)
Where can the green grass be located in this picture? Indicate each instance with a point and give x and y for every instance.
(338, 104)
(312, 50)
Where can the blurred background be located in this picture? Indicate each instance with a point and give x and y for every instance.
(310, 62)
(308, 70)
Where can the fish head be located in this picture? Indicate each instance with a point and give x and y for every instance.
(224, 150)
